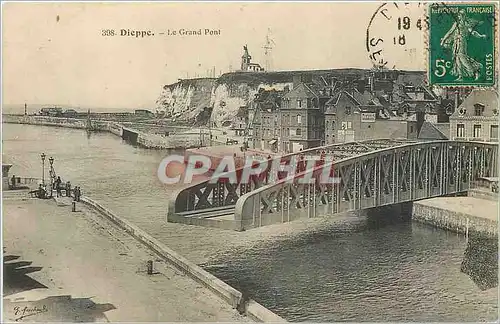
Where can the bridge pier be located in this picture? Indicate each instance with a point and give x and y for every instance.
(389, 214)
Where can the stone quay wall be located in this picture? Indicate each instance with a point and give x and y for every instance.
(142, 139)
(45, 121)
(452, 220)
(233, 297)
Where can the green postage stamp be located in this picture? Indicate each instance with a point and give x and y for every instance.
(462, 44)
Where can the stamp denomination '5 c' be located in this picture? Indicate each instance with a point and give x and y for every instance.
(462, 44)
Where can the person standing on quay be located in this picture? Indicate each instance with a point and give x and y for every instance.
(77, 194)
(58, 187)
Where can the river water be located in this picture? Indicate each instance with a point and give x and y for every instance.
(340, 269)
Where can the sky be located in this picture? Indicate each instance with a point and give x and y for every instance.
(55, 53)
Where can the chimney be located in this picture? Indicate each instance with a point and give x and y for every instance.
(297, 79)
(371, 80)
(457, 99)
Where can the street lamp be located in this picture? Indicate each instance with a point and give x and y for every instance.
(43, 168)
(51, 160)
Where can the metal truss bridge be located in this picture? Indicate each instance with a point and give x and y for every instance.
(372, 173)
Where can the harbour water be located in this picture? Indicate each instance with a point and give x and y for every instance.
(349, 270)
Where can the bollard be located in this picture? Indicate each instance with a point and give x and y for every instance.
(150, 267)
(467, 231)
(73, 206)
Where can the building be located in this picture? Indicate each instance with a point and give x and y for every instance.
(246, 62)
(51, 111)
(143, 113)
(476, 118)
(434, 131)
(302, 125)
(265, 120)
(70, 113)
(351, 116)
(327, 109)
(240, 122)
(5, 175)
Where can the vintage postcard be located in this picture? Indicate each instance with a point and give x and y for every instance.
(250, 161)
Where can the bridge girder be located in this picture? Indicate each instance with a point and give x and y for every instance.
(373, 173)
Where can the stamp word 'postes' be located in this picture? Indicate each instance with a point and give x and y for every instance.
(462, 44)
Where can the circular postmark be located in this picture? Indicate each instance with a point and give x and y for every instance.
(395, 37)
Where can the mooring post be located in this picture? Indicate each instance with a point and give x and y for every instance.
(150, 267)
(467, 231)
(73, 208)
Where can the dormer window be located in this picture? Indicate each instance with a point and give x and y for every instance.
(347, 110)
(478, 109)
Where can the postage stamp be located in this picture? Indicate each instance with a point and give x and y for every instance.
(462, 44)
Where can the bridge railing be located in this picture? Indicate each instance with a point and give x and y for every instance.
(390, 175)
(221, 193)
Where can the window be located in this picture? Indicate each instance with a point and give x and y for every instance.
(477, 131)
(299, 119)
(478, 110)
(333, 124)
(298, 132)
(461, 130)
(494, 132)
(299, 103)
(349, 125)
(411, 128)
(347, 110)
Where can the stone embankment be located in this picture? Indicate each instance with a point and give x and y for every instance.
(85, 269)
(232, 296)
(134, 136)
(466, 215)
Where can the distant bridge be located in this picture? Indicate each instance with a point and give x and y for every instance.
(372, 173)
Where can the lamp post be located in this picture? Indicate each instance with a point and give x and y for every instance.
(51, 160)
(43, 168)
